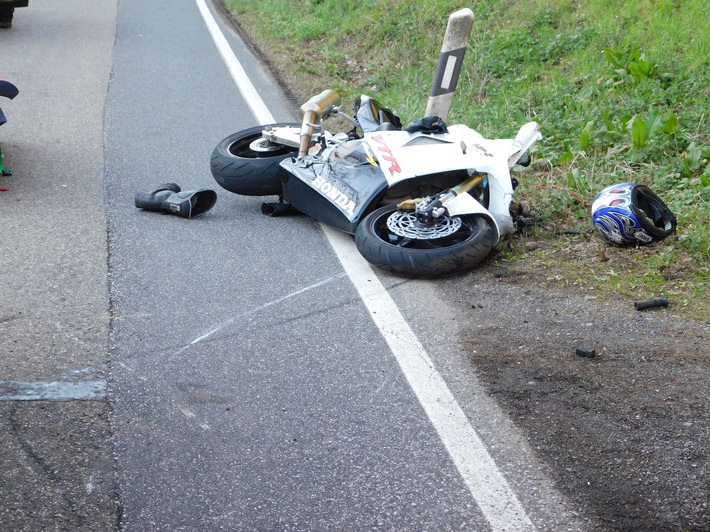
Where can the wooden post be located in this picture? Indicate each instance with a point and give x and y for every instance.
(447, 73)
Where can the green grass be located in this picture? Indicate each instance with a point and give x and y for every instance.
(621, 91)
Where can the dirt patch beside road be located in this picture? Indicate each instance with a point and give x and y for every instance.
(625, 432)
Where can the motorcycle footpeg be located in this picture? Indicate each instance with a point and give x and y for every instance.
(278, 209)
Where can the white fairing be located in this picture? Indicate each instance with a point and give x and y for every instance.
(526, 137)
(467, 204)
(403, 155)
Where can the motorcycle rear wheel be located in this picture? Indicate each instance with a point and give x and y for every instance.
(243, 164)
(459, 248)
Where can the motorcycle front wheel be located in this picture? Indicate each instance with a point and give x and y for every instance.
(247, 164)
(395, 242)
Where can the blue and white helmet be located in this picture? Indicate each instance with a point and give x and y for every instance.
(628, 213)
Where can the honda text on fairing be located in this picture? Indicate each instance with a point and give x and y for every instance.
(423, 201)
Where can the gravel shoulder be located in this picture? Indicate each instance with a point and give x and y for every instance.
(624, 433)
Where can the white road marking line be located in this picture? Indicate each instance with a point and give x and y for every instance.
(244, 84)
(52, 390)
(487, 485)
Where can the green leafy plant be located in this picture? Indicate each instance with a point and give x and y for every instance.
(630, 61)
(694, 159)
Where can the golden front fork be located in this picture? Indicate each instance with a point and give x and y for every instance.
(466, 186)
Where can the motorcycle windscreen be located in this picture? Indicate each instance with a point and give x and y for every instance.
(337, 191)
(371, 115)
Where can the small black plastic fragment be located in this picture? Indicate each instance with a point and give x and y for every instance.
(651, 303)
(586, 352)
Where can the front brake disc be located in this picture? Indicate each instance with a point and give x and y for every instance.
(406, 225)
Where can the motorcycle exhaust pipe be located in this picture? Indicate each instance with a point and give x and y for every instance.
(312, 111)
(170, 199)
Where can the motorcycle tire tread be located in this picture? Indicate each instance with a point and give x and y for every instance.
(249, 176)
(424, 263)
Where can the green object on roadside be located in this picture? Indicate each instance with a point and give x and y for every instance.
(3, 170)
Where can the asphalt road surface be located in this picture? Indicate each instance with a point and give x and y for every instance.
(231, 371)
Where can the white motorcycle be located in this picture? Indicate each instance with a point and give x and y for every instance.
(424, 201)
